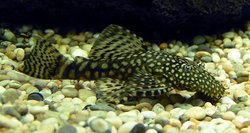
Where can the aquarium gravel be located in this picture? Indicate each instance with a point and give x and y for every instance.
(29, 104)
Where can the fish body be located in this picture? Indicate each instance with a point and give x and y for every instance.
(122, 68)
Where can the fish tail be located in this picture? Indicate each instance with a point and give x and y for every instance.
(42, 62)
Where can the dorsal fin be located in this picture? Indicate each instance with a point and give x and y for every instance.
(115, 41)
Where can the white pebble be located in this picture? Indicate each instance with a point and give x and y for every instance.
(246, 57)
(2, 90)
(69, 91)
(91, 100)
(78, 52)
(148, 114)
(28, 118)
(87, 47)
(187, 125)
(228, 101)
(177, 112)
(215, 57)
(115, 121)
(234, 55)
(151, 131)
(8, 35)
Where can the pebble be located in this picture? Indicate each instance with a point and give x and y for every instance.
(244, 113)
(199, 40)
(148, 114)
(11, 111)
(241, 122)
(138, 128)
(229, 115)
(115, 121)
(85, 93)
(79, 52)
(230, 35)
(240, 95)
(215, 57)
(87, 47)
(234, 55)
(9, 122)
(163, 46)
(20, 54)
(38, 109)
(67, 129)
(158, 108)
(10, 95)
(69, 91)
(177, 112)
(162, 118)
(188, 125)
(14, 84)
(8, 35)
(35, 96)
(133, 115)
(127, 127)
(196, 112)
(148, 131)
(175, 122)
(100, 125)
(31, 89)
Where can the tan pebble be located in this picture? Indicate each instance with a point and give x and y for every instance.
(240, 95)
(127, 127)
(170, 129)
(7, 67)
(245, 130)
(31, 89)
(115, 121)
(133, 115)
(98, 113)
(247, 103)
(125, 107)
(208, 118)
(84, 94)
(63, 49)
(229, 115)
(143, 105)
(247, 88)
(175, 122)
(169, 107)
(196, 112)
(24, 86)
(20, 54)
(80, 38)
(188, 125)
(228, 67)
(4, 77)
(218, 42)
(10, 54)
(11, 47)
(65, 41)
(79, 116)
(163, 45)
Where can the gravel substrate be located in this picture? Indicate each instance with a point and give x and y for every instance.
(34, 105)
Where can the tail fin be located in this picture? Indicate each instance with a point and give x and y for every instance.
(42, 61)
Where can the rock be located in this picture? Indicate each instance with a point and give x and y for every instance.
(196, 112)
(14, 84)
(234, 55)
(10, 95)
(20, 54)
(162, 118)
(175, 122)
(31, 89)
(127, 127)
(99, 125)
(204, 47)
(65, 41)
(69, 91)
(87, 47)
(133, 115)
(229, 115)
(91, 100)
(215, 57)
(229, 35)
(176, 98)
(177, 112)
(188, 125)
(9, 122)
(149, 131)
(148, 114)
(228, 101)
(244, 113)
(11, 111)
(138, 128)
(241, 122)
(80, 38)
(240, 95)
(38, 109)
(8, 35)
(35, 96)
(21, 108)
(85, 93)
(28, 118)
(79, 52)
(236, 108)
(158, 108)
(229, 45)
(115, 121)
(67, 129)
(46, 92)
(18, 76)
(199, 40)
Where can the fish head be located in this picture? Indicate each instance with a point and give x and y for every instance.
(188, 75)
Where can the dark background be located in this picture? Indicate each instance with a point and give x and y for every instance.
(154, 20)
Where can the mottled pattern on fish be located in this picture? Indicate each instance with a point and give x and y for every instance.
(122, 68)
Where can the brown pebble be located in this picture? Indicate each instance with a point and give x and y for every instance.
(143, 105)
(11, 54)
(175, 122)
(208, 118)
(163, 46)
(200, 54)
(247, 103)
(7, 67)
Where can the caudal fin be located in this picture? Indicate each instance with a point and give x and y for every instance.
(42, 61)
